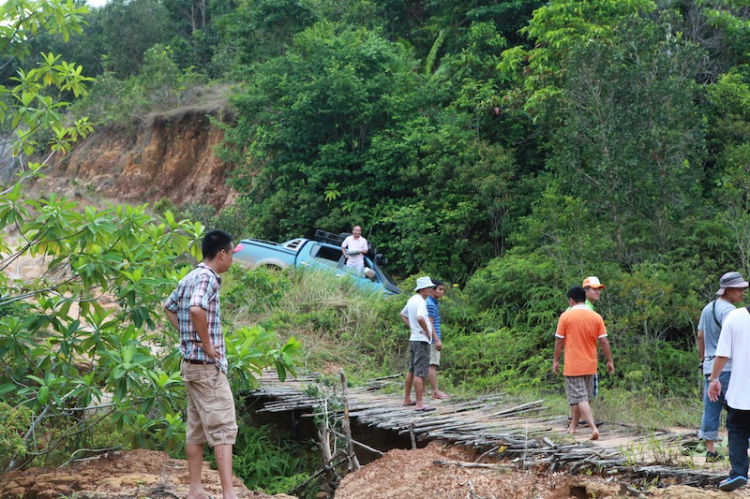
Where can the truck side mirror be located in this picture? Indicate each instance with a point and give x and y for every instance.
(381, 260)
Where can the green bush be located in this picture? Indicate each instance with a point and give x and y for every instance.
(16, 421)
(272, 463)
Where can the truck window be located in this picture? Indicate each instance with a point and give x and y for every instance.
(326, 255)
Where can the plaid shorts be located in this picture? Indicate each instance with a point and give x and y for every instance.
(579, 388)
(210, 409)
(419, 358)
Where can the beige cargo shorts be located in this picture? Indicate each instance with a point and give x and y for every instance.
(210, 415)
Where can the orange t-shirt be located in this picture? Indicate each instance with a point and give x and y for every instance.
(580, 328)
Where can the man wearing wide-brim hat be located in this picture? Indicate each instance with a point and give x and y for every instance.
(732, 289)
(734, 346)
(416, 317)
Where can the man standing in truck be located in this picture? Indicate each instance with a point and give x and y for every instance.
(354, 248)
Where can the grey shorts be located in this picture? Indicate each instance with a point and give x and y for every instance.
(579, 388)
(434, 355)
(419, 358)
(210, 412)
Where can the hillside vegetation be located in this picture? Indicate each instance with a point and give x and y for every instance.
(509, 147)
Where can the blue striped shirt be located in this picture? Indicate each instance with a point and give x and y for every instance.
(433, 310)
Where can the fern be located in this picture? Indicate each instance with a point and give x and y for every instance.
(433, 53)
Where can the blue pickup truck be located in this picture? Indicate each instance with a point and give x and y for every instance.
(321, 253)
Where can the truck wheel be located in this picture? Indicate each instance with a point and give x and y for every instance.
(270, 267)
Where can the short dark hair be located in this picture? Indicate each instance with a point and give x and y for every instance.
(214, 242)
(577, 294)
(437, 282)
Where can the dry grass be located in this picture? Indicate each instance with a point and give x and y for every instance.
(200, 100)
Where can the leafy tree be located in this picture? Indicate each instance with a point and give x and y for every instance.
(64, 354)
(334, 91)
(555, 28)
(729, 135)
(34, 105)
(721, 29)
(259, 30)
(632, 134)
(128, 29)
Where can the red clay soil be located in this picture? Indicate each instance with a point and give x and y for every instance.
(406, 474)
(402, 474)
(136, 474)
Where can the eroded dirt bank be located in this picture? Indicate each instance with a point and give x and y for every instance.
(414, 474)
(170, 155)
(136, 474)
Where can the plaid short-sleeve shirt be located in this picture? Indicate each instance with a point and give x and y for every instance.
(199, 288)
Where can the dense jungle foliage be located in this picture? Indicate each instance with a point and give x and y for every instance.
(511, 147)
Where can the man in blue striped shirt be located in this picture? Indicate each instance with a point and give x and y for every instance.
(433, 309)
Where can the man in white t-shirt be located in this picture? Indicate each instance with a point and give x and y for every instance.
(417, 318)
(734, 344)
(354, 248)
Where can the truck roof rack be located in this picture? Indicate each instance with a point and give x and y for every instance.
(322, 236)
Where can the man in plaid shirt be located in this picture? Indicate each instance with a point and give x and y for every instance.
(193, 309)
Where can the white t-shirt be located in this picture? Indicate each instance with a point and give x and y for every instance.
(359, 244)
(417, 307)
(734, 343)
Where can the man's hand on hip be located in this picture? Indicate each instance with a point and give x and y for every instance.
(212, 353)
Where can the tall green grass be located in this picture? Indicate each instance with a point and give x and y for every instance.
(338, 323)
(342, 326)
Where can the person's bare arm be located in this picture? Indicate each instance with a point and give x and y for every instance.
(172, 316)
(425, 328)
(559, 342)
(200, 322)
(405, 320)
(714, 387)
(604, 342)
(701, 346)
(438, 343)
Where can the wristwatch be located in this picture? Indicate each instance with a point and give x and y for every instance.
(711, 380)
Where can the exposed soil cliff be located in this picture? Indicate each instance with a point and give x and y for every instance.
(170, 155)
(136, 474)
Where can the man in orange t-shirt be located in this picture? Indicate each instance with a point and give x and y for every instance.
(578, 330)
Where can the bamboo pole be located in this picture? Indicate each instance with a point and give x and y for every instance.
(346, 426)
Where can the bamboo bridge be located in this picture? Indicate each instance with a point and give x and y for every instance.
(526, 435)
